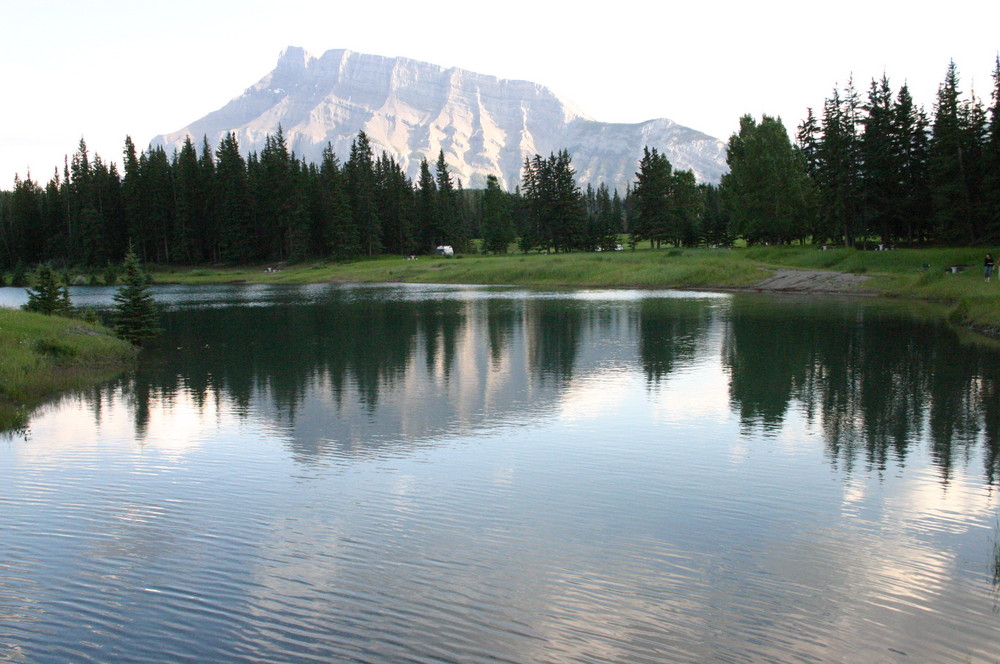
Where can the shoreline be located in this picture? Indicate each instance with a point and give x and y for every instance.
(44, 357)
(917, 275)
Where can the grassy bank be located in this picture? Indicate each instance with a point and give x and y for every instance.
(644, 269)
(41, 356)
(902, 273)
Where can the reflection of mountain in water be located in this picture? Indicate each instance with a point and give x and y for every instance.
(350, 375)
(356, 372)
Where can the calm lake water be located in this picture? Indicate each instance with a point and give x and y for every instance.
(462, 474)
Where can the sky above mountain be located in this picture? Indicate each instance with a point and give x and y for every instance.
(104, 69)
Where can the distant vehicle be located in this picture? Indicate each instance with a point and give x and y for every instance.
(445, 251)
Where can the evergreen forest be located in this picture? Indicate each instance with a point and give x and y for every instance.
(869, 168)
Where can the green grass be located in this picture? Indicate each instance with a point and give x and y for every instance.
(41, 356)
(650, 269)
(912, 274)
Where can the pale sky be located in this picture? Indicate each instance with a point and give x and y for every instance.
(104, 69)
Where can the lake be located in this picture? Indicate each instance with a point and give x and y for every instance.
(402, 473)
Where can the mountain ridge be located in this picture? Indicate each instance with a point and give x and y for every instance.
(413, 109)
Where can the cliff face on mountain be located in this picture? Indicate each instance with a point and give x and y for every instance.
(412, 110)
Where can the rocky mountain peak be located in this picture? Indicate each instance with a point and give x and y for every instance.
(413, 110)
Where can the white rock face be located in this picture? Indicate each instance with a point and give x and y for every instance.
(412, 109)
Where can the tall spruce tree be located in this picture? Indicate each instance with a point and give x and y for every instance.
(881, 164)
(651, 194)
(429, 234)
(210, 229)
(449, 216)
(498, 219)
(839, 175)
(338, 229)
(276, 197)
(605, 221)
(135, 316)
(569, 215)
(688, 209)
(233, 201)
(395, 206)
(189, 214)
(949, 164)
(360, 171)
(913, 212)
(991, 162)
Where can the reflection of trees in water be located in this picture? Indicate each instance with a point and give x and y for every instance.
(875, 382)
(872, 382)
(553, 329)
(283, 349)
(357, 348)
(671, 333)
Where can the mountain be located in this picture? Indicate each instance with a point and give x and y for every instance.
(412, 109)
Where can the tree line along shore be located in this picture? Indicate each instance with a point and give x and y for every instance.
(41, 356)
(871, 170)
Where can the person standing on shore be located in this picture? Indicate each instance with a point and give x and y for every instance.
(988, 267)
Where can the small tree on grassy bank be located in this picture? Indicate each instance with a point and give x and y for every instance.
(135, 317)
(46, 296)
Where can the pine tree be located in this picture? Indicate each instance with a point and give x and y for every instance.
(132, 195)
(881, 164)
(46, 296)
(767, 188)
(360, 171)
(688, 209)
(448, 209)
(338, 229)
(839, 174)
(569, 216)
(913, 214)
(498, 220)
(156, 205)
(716, 218)
(429, 234)
(606, 223)
(557, 217)
(991, 162)
(233, 201)
(26, 216)
(188, 217)
(651, 212)
(948, 165)
(394, 193)
(135, 317)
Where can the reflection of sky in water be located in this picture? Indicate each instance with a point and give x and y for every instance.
(481, 508)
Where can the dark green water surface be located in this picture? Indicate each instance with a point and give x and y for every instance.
(462, 474)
